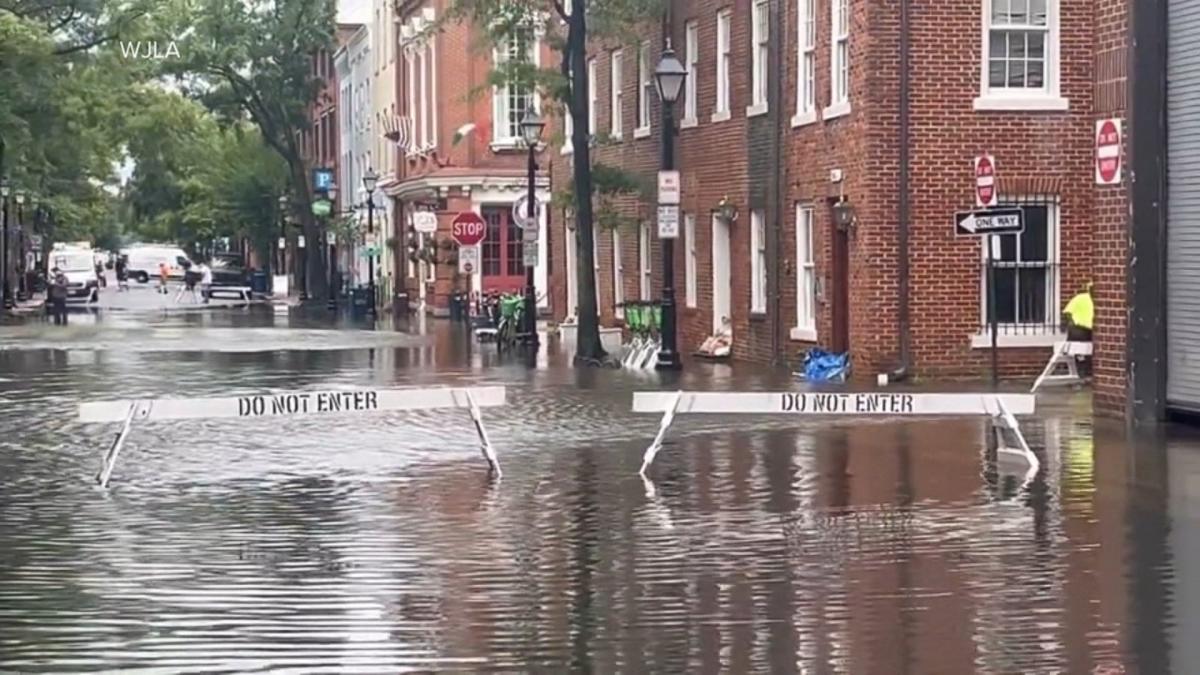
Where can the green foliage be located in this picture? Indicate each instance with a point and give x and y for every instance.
(614, 189)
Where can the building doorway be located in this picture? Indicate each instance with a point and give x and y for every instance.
(503, 269)
(839, 286)
(722, 293)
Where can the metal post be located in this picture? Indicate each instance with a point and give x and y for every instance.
(302, 259)
(992, 319)
(668, 353)
(371, 254)
(331, 254)
(530, 328)
(8, 300)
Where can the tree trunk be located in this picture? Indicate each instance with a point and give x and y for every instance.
(314, 270)
(588, 348)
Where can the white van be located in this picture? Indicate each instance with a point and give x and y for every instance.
(142, 262)
(79, 265)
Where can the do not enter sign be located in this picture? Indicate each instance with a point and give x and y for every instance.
(1108, 152)
(985, 181)
(468, 228)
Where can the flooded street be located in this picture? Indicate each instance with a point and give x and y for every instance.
(378, 543)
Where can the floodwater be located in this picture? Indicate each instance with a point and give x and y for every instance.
(378, 543)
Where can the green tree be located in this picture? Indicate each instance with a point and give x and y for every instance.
(252, 58)
(569, 26)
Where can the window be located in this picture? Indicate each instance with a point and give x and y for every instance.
(431, 116)
(806, 84)
(691, 48)
(511, 101)
(1020, 56)
(760, 35)
(644, 262)
(618, 276)
(806, 277)
(568, 145)
(1027, 278)
(423, 107)
(839, 60)
(615, 96)
(591, 75)
(644, 92)
(721, 111)
(411, 62)
(758, 261)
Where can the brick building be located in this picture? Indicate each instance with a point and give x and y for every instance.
(458, 150)
(795, 106)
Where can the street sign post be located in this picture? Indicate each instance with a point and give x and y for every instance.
(668, 188)
(985, 181)
(987, 223)
(668, 222)
(468, 259)
(425, 222)
(1108, 152)
(468, 228)
(530, 254)
(322, 179)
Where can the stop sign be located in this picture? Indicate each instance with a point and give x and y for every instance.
(1108, 152)
(985, 181)
(468, 228)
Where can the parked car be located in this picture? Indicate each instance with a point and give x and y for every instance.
(228, 270)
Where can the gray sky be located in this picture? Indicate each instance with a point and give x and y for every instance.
(354, 11)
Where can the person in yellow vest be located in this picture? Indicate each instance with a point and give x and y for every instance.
(1078, 316)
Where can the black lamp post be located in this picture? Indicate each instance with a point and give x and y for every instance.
(330, 253)
(4, 192)
(369, 181)
(668, 77)
(531, 131)
(280, 250)
(22, 293)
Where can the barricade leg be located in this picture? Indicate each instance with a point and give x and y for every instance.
(110, 457)
(668, 418)
(485, 445)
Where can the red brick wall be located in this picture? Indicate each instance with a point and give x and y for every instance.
(1111, 243)
(1043, 152)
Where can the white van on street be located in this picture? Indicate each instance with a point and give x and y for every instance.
(143, 261)
(79, 265)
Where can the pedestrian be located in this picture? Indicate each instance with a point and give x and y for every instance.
(101, 277)
(1078, 316)
(206, 280)
(58, 296)
(163, 273)
(122, 274)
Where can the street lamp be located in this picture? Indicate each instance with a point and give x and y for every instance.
(669, 77)
(7, 293)
(331, 255)
(531, 131)
(22, 291)
(370, 180)
(279, 247)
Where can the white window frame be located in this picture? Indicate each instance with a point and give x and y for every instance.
(424, 96)
(592, 98)
(645, 282)
(615, 94)
(568, 145)
(1049, 97)
(1046, 333)
(644, 92)
(724, 58)
(758, 261)
(839, 59)
(618, 272)
(760, 37)
(806, 275)
(806, 63)
(689, 260)
(504, 137)
(691, 57)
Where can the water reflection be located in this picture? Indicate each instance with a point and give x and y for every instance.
(378, 544)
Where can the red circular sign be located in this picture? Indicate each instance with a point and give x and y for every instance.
(985, 181)
(1108, 152)
(468, 228)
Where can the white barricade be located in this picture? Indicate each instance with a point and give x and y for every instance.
(293, 403)
(1001, 408)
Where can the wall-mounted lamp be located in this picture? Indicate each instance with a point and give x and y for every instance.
(726, 210)
(843, 215)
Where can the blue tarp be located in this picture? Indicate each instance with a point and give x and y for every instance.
(822, 366)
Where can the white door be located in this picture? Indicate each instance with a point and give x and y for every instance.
(721, 282)
(618, 277)
(572, 274)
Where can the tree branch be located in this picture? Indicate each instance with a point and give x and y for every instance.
(63, 51)
(562, 11)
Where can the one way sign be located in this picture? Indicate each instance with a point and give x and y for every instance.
(989, 221)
